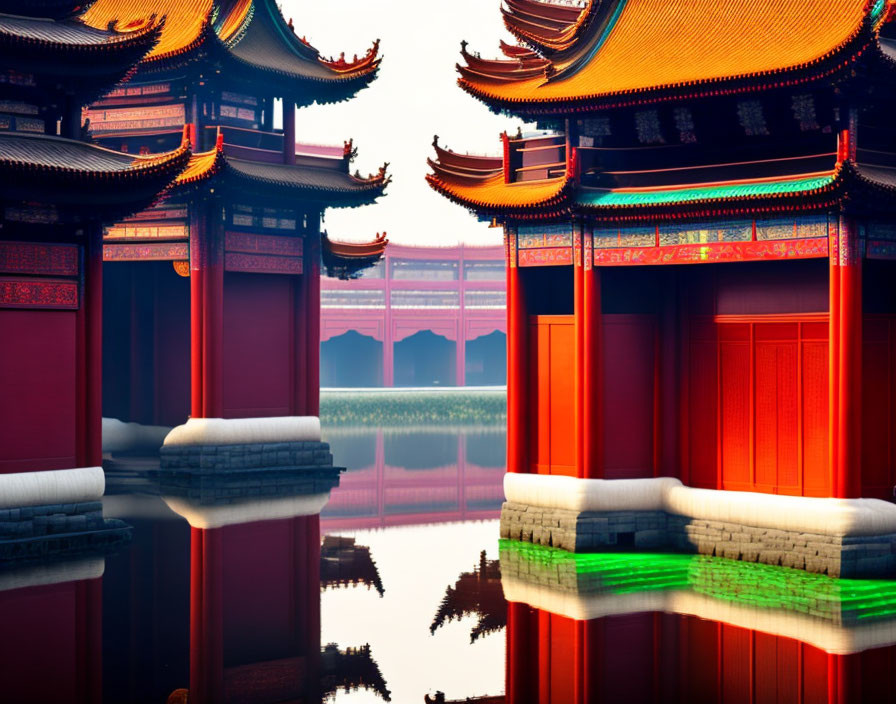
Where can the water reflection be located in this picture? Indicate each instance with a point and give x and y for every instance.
(237, 590)
(410, 477)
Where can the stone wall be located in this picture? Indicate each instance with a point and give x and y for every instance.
(35, 532)
(837, 556)
(213, 458)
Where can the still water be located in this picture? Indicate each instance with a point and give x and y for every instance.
(400, 590)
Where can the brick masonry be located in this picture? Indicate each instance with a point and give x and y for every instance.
(35, 532)
(221, 474)
(589, 531)
(248, 456)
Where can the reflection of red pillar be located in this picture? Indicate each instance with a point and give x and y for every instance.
(90, 639)
(517, 418)
(519, 669)
(206, 617)
(845, 349)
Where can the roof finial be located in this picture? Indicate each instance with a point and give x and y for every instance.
(435, 140)
(291, 26)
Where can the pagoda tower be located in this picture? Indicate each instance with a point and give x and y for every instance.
(212, 307)
(700, 244)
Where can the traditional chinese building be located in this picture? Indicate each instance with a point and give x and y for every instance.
(212, 296)
(422, 316)
(699, 241)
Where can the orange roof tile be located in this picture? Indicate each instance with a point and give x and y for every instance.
(653, 44)
(202, 165)
(493, 193)
(185, 21)
(233, 21)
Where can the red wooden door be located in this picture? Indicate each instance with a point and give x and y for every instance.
(758, 404)
(552, 394)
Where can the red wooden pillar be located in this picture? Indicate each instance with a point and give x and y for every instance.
(89, 622)
(197, 287)
(206, 312)
(92, 368)
(206, 617)
(311, 276)
(388, 341)
(289, 132)
(589, 363)
(845, 350)
(517, 396)
(460, 374)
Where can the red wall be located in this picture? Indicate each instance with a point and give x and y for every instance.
(629, 379)
(879, 406)
(258, 353)
(757, 404)
(38, 381)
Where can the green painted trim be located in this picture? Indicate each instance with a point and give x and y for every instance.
(602, 199)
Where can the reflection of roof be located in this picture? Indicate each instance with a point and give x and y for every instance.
(350, 669)
(343, 563)
(477, 592)
(632, 47)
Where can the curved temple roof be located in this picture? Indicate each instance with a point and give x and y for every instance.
(635, 47)
(67, 47)
(45, 170)
(311, 179)
(251, 33)
(346, 260)
(185, 21)
(478, 183)
(486, 193)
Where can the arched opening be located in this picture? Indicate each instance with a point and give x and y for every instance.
(146, 343)
(351, 360)
(486, 360)
(425, 359)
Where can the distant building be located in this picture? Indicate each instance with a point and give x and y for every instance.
(423, 316)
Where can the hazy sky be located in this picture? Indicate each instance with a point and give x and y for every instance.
(414, 97)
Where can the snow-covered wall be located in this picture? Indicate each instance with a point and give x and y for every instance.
(58, 486)
(239, 431)
(801, 514)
